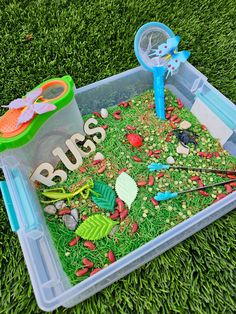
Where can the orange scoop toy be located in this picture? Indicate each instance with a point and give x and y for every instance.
(8, 124)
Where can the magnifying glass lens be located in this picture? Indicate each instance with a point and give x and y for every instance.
(53, 91)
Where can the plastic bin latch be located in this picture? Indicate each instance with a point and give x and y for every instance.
(9, 206)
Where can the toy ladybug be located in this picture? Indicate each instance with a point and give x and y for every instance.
(134, 139)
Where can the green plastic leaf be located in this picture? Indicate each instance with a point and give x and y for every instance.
(107, 197)
(126, 188)
(95, 227)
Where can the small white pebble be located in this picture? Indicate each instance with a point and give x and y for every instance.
(180, 213)
(67, 254)
(184, 216)
(167, 220)
(145, 198)
(172, 223)
(184, 206)
(104, 113)
(150, 189)
(189, 213)
(170, 160)
(144, 215)
(146, 211)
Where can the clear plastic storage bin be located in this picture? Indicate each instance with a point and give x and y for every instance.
(51, 286)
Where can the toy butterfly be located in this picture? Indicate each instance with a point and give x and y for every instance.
(172, 58)
(30, 107)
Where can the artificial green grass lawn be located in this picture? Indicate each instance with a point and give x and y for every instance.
(91, 41)
(152, 220)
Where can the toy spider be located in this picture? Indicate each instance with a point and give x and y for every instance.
(186, 137)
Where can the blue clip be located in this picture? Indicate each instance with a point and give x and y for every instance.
(157, 167)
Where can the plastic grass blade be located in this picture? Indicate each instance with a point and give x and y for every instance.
(126, 188)
(105, 197)
(95, 227)
(157, 167)
(164, 196)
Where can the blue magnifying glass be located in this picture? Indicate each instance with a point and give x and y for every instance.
(156, 48)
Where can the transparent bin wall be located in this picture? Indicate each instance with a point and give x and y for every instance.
(54, 132)
(121, 87)
(51, 286)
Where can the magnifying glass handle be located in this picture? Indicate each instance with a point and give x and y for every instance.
(158, 76)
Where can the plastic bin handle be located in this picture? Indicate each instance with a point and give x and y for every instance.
(9, 206)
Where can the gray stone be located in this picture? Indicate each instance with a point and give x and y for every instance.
(98, 156)
(113, 231)
(185, 125)
(182, 150)
(170, 160)
(104, 113)
(69, 222)
(50, 209)
(60, 205)
(74, 213)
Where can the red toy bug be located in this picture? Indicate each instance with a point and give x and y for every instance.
(134, 139)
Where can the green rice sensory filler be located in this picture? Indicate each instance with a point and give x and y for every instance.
(101, 179)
